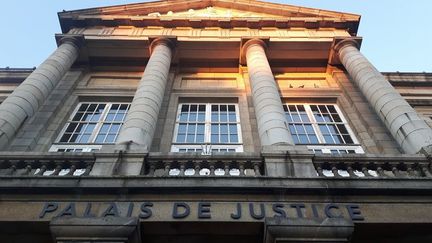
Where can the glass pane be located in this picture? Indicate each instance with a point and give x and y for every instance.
(193, 108)
(183, 116)
(331, 109)
(191, 129)
(292, 129)
(214, 138)
(100, 138)
(200, 138)
(190, 138)
(110, 117)
(71, 127)
(200, 129)
(296, 118)
(77, 116)
(324, 130)
(223, 117)
(313, 139)
(224, 138)
(224, 129)
(336, 118)
(84, 138)
(201, 108)
(214, 129)
(193, 117)
(214, 117)
(233, 129)
(296, 139)
(119, 117)
(104, 128)
(233, 138)
(65, 138)
(89, 128)
(110, 139)
(115, 128)
(309, 129)
(92, 107)
(83, 107)
(303, 139)
(201, 116)
(328, 139)
(300, 129)
(232, 117)
(185, 108)
(73, 138)
(180, 138)
(348, 139)
(342, 129)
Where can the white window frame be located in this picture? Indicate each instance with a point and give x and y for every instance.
(326, 148)
(206, 147)
(91, 145)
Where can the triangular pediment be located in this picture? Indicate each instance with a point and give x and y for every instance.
(152, 13)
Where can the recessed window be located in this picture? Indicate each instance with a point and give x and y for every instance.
(207, 128)
(90, 126)
(322, 127)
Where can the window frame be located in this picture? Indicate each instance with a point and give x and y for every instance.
(207, 146)
(91, 145)
(326, 148)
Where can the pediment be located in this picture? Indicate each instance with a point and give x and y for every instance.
(161, 12)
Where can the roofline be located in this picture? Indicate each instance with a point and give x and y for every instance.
(118, 11)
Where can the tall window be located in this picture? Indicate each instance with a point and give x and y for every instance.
(322, 127)
(207, 128)
(90, 126)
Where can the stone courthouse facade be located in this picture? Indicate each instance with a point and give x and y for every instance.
(213, 121)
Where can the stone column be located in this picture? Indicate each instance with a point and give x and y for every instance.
(272, 124)
(141, 120)
(409, 130)
(26, 99)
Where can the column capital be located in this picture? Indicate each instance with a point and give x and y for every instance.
(77, 40)
(246, 43)
(169, 42)
(339, 43)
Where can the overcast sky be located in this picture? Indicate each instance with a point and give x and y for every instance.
(397, 33)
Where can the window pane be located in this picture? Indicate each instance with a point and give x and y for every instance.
(190, 138)
(233, 129)
(233, 138)
(181, 138)
(214, 138)
(200, 129)
(224, 138)
(224, 129)
(214, 129)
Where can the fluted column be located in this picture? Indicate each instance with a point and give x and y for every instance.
(410, 131)
(272, 124)
(141, 120)
(26, 99)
